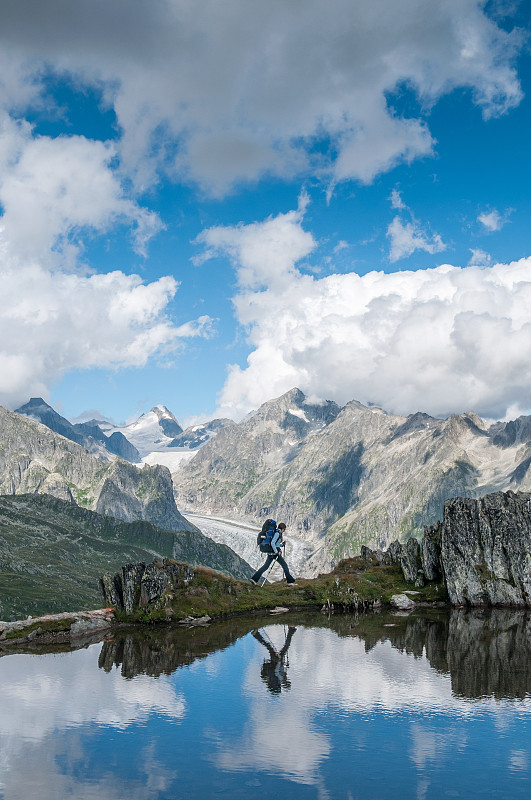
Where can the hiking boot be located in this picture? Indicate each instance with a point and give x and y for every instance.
(253, 581)
(292, 583)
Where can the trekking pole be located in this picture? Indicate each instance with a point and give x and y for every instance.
(266, 576)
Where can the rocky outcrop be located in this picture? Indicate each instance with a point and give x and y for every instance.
(138, 586)
(482, 550)
(486, 549)
(431, 552)
(411, 562)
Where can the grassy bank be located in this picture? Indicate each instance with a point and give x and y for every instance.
(355, 583)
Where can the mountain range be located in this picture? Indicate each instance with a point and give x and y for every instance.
(339, 477)
(344, 477)
(156, 437)
(36, 460)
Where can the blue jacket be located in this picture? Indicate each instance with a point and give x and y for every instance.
(276, 541)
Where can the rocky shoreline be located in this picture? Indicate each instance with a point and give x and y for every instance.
(56, 628)
(479, 556)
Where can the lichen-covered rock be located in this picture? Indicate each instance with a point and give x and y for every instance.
(111, 589)
(394, 552)
(410, 560)
(138, 586)
(486, 549)
(431, 552)
(130, 579)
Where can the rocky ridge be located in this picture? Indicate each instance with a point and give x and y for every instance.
(52, 553)
(343, 478)
(88, 434)
(38, 461)
(481, 549)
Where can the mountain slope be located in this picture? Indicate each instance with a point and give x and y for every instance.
(36, 460)
(364, 477)
(223, 473)
(52, 554)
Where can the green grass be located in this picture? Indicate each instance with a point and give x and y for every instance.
(53, 553)
(353, 584)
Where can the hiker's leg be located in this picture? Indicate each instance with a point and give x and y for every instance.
(287, 573)
(258, 575)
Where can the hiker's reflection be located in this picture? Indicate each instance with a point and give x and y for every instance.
(274, 670)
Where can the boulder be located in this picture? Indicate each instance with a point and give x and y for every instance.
(402, 602)
(394, 552)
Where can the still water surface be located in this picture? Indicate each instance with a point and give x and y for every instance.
(425, 706)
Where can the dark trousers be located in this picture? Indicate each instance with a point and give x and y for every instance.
(269, 559)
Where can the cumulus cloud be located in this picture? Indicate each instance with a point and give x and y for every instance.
(439, 340)
(54, 317)
(479, 258)
(52, 188)
(51, 322)
(235, 92)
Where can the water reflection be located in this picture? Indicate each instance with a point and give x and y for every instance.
(486, 653)
(274, 670)
(429, 705)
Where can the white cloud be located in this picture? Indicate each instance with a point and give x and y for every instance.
(407, 237)
(264, 253)
(493, 220)
(396, 200)
(479, 258)
(239, 91)
(54, 317)
(52, 189)
(438, 340)
(51, 322)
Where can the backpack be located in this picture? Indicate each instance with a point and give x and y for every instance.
(263, 540)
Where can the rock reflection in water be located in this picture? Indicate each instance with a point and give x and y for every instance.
(485, 652)
(372, 707)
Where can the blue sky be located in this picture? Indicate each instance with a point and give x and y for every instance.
(205, 204)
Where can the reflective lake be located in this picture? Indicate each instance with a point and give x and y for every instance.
(430, 705)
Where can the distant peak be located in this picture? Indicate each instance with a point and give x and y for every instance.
(33, 403)
(161, 411)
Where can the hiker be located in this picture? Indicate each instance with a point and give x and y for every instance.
(273, 672)
(275, 544)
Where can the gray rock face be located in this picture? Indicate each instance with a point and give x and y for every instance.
(486, 549)
(138, 585)
(410, 561)
(37, 461)
(225, 475)
(197, 435)
(394, 552)
(431, 552)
